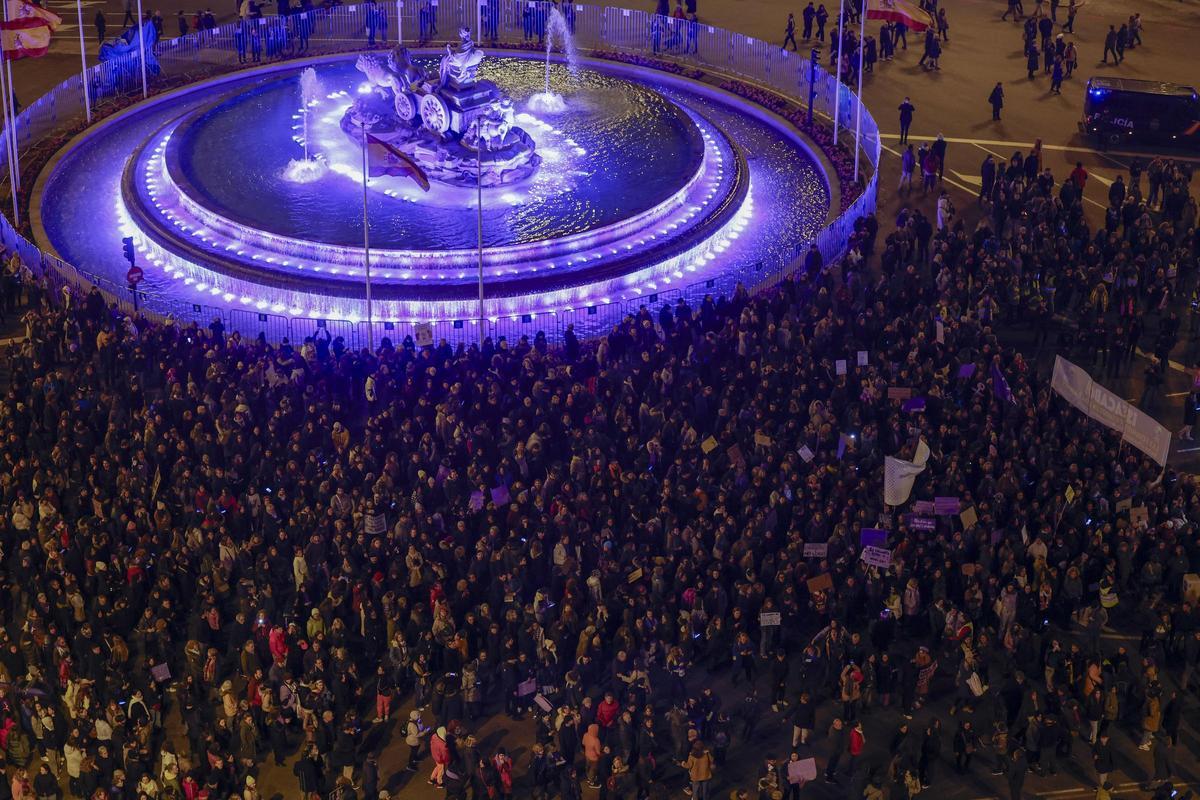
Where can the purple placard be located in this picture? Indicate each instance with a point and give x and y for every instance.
(500, 495)
(923, 507)
(913, 404)
(873, 537)
(966, 370)
(946, 506)
(923, 523)
(476, 501)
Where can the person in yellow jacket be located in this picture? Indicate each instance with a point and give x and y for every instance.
(1152, 716)
(699, 765)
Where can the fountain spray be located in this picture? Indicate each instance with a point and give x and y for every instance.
(310, 169)
(557, 30)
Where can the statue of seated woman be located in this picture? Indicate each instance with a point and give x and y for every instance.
(459, 65)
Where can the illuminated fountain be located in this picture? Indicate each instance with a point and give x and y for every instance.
(643, 187)
(309, 169)
(557, 30)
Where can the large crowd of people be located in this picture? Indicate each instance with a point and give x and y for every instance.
(649, 544)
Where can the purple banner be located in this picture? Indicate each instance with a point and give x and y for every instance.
(923, 507)
(946, 506)
(923, 523)
(873, 537)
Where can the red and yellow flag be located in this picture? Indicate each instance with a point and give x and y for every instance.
(912, 15)
(384, 158)
(26, 32)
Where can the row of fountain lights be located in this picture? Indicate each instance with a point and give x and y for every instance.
(718, 244)
(723, 241)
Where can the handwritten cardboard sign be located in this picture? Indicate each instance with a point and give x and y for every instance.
(877, 557)
(862, 358)
(821, 583)
(899, 392)
(923, 507)
(769, 619)
(968, 518)
(708, 445)
(806, 453)
(840, 366)
(762, 440)
(1139, 516)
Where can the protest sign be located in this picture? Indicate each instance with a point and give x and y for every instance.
(872, 537)
(877, 557)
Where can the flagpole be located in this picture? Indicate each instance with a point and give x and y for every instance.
(367, 241)
(837, 75)
(87, 98)
(479, 227)
(10, 112)
(9, 148)
(862, 33)
(142, 49)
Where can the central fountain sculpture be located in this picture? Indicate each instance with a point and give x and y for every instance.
(459, 129)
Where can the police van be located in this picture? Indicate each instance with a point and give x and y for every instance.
(1123, 111)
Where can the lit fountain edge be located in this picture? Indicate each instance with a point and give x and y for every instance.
(687, 267)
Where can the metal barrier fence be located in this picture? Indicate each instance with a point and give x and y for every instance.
(627, 33)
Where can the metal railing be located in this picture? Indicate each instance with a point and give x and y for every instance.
(626, 34)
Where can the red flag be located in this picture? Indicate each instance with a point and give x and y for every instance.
(26, 32)
(386, 159)
(913, 16)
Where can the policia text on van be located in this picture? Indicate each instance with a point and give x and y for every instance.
(1121, 111)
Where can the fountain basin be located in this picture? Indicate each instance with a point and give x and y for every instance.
(669, 177)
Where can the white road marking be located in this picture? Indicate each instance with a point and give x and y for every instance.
(1027, 145)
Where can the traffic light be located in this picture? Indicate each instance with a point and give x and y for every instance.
(127, 249)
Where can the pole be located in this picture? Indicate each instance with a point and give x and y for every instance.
(837, 74)
(367, 241)
(399, 21)
(87, 97)
(479, 229)
(862, 31)
(10, 114)
(812, 85)
(142, 49)
(10, 147)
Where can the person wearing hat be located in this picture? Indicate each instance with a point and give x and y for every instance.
(414, 731)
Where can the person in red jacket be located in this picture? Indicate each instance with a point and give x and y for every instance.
(608, 711)
(439, 748)
(855, 747)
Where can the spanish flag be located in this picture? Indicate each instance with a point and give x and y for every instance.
(386, 159)
(26, 31)
(912, 15)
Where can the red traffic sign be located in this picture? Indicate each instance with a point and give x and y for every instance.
(135, 275)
